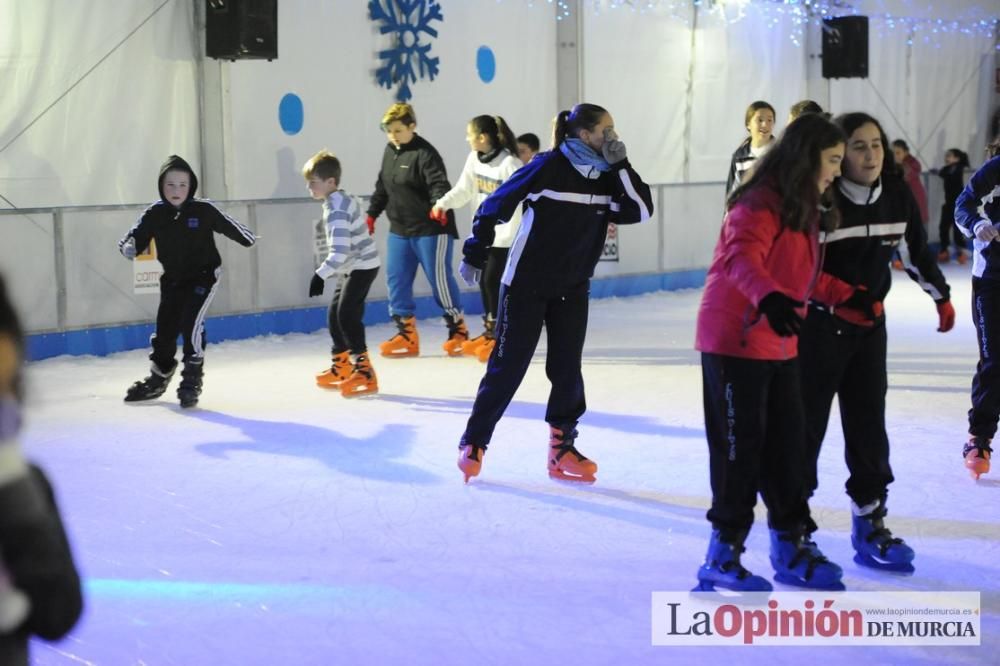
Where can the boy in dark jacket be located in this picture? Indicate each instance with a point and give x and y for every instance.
(410, 182)
(40, 591)
(184, 229)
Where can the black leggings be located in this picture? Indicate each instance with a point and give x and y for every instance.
(347, 309)
(489, 283)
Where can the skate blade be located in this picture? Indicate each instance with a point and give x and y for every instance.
(402, 353)
(728, 590)
(562, 476)
(977, 469)
(902, 568)
(361, 391)
(794, 581)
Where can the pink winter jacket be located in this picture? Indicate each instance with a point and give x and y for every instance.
(755, 256)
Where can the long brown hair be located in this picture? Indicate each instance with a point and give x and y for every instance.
(792, 165)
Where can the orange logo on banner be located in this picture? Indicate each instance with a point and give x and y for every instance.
(149, 254)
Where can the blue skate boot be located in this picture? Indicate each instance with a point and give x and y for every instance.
(798, 561)
(722, 568)
(873, 542)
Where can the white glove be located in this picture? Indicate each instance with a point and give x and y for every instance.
(128, 249)
(470, 274)
(985, 231)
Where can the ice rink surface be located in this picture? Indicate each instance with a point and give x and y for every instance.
(279, 523)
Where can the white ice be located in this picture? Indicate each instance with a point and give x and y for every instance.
(282, 524)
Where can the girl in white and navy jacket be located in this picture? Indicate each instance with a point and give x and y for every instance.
(354, 258)
(490, 163)
(568, 197)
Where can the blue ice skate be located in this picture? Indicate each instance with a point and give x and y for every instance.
(798, 561)
(722, 568)
(876, 547)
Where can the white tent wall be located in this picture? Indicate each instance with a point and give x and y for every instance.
(327, 55)
(676, 79)
(104, 140)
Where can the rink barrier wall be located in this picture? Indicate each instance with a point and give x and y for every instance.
(104, 340)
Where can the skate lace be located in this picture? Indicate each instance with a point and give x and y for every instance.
(806, 551)
(735, 564)
(567, 445)
(983, 448)
(475, 452)
(880, 534)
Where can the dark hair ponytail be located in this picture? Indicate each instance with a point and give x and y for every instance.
(961, 156)
(583, 116)
(496, 128)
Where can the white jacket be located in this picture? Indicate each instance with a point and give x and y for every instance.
(478, 181)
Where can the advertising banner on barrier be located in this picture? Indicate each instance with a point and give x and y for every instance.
(146, 271)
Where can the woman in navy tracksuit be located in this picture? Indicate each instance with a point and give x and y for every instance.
(569, 196)
(977, 213)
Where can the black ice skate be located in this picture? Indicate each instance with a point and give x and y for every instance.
(152, 386)
(190, 388)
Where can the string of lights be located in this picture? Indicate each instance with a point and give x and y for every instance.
(798, 15)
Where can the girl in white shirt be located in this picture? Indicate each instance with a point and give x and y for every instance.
(490, 163)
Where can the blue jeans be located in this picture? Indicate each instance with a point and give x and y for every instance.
(433, 254)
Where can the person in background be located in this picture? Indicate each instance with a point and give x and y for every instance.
(977, 214)
(910, 165)
(528, 146)
(353, 261)
(953, 175)
(490, 163)
(804, 106)
(759, 122)
(411, 179)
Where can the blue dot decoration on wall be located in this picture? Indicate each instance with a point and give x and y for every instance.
(291, 114)
(486, 64)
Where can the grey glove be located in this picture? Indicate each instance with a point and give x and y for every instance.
(128, 249)
(612, 148)
(985, 231)
(470, 274)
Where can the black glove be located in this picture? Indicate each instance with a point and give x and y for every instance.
(781, 315)
(862, 301)
(316, 286)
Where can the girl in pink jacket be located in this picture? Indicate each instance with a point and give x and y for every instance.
(766, 264)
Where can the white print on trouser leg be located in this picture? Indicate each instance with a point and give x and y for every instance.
(501, 327)
(730, 421)
(982, 327)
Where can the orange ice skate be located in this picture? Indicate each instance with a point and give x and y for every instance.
(977, 456)
(406, 342)
(470, 460)
(565, 462)
(362, 381)
(338, 371)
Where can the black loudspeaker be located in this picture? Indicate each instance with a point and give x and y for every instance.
(845, 47)
(241, 29)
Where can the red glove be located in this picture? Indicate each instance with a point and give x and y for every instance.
(946, 316)
(439, 215)
(861, 308)
(370, 221)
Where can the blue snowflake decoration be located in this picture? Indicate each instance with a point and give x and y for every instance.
(409, 60)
